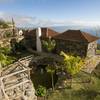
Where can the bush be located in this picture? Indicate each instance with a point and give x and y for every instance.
(5, 58)
(5, 50)
(72, 64)
(49, 45)
(41, 91)
(8, 34)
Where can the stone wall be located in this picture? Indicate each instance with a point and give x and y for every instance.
(91, 49)
(73, 47)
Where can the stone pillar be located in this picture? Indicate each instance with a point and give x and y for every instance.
(38, 41)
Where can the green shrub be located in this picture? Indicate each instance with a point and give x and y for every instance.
(98, 46)
(8, 34)
(49, 44)
(5, 50)
(41, 91)
(72, 64)
(5, 58)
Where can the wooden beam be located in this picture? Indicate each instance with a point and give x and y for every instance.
(24, 65)
(15, 80)
(17, 85)
(6, 76)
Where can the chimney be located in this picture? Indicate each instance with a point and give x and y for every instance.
(38, 41)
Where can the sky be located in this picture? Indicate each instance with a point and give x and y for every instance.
(51, 12)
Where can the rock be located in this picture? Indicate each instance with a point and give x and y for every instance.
(24, 98)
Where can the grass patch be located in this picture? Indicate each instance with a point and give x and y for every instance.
(97, 51)
(80, 91)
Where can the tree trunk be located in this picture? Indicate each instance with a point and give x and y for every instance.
(0, 69)
(71, 83)
(52, 81)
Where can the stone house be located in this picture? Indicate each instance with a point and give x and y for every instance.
(30, 36)
(76, 42)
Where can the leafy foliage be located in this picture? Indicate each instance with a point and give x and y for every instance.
(41, 91)
(5, 59)
(49, 45)
(5, 50)
(8, 34)
(72, 64)
(4, 24)
(50, 69)
(98, 46)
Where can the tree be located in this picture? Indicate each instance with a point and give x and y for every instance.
(72, 64)
(51, 69)
(49, 45)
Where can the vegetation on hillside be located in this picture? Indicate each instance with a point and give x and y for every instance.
(4, 24)
(81, 90)
(41, 91)
(72, 64)
(5, 58)
(98, 49)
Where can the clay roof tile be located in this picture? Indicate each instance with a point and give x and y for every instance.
(76, 35)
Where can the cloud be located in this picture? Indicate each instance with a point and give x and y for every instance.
(26, 21)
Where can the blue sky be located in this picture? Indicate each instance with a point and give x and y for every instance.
(51, 11)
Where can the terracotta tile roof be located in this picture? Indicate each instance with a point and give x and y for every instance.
(29, 33)
(46, 32)
(76, 35)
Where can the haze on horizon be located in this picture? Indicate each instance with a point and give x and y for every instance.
(51, 12)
